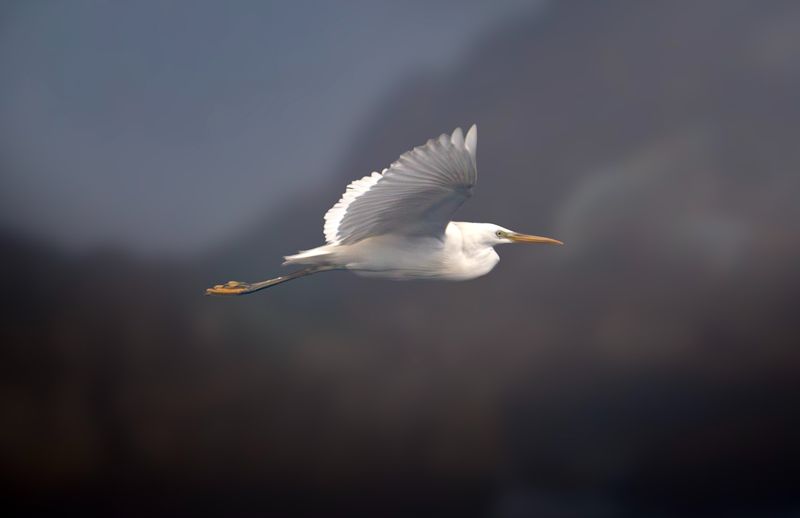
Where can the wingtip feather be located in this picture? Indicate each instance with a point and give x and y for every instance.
(471, 142)
(457, 138)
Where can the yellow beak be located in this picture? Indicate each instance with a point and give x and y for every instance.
(525, 238)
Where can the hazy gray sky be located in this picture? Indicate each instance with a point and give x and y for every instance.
(165, 125)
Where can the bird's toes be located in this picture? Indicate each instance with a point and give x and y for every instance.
(229, 288)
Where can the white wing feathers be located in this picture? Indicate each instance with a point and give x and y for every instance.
(333, 218)
(417, 194)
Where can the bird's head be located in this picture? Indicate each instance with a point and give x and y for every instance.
(496, 235)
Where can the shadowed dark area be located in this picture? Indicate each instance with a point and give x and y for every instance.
(650, 367)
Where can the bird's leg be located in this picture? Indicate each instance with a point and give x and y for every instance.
(243, 288)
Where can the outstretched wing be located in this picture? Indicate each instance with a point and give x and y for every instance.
(416, 195)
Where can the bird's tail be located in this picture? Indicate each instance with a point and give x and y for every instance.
(244, 288)
(316, 256)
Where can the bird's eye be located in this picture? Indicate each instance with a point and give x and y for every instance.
(499, 233)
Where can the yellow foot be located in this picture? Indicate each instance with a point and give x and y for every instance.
(229, 288)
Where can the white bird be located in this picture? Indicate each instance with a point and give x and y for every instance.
(396, 224)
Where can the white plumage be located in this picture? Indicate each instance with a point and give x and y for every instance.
(416, 194)
(333, 218)
(396, 224)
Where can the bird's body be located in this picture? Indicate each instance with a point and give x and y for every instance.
(396, 224)
(455, 256)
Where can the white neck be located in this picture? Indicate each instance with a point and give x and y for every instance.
(477, 255)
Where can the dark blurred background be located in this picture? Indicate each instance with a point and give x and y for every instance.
(650, 367)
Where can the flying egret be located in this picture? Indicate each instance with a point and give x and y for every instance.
(396, 224)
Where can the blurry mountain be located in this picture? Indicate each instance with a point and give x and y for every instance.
(649, 366)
